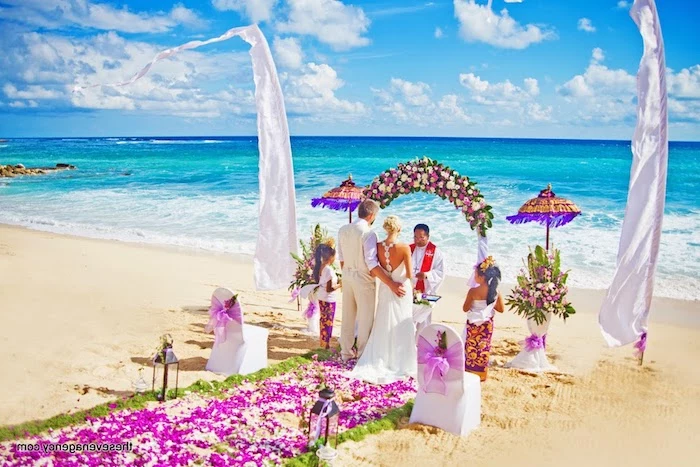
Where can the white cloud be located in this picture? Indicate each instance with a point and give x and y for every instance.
(410, 102)
(415, 94)
(504, 94)
(30, 92)
(449, 105)
(22, 105)
(400, 10)
(598, 55)
(532, 87)
(330, 21)
(538, 113)
(600, 94)
(513, 1)
(478, 23)
(623, 4)
(438, 33)
(598, 80)
(311, 91)
(288, 52)
(256, 10)
(54, 14)
(584, 24)
(187, 85)
(685, 84)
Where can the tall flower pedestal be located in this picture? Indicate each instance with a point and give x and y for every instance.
(533, 357)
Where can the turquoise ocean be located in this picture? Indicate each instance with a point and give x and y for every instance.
(202, 193)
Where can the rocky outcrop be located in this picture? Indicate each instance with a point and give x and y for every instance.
(19, 169)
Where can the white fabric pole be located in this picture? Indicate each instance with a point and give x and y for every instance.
(481, 254)
(277, 234)
(624, 314)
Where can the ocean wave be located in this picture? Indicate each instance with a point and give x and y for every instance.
(216, 226)
(210, 202)
(184, 141)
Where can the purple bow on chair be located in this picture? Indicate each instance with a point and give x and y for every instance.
(437, 363)
(535, 342)
(220, 314)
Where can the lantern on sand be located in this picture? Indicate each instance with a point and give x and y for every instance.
(164, 364)
(323, 420)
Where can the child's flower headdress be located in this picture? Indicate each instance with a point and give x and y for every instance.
(487, 263)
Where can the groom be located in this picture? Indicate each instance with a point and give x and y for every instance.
(357, 253)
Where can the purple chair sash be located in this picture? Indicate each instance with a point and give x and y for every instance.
(220, 314)
(535, 342)
(437, 363)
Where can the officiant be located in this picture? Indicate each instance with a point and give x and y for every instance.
(428, 266)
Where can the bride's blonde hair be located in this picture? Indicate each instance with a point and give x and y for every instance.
(392, 224)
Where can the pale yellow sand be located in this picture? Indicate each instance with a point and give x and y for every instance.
(79, 317)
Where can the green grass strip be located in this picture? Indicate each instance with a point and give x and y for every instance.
(139, 401)
(390, 421)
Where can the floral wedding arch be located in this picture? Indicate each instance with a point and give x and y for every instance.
(429, 176)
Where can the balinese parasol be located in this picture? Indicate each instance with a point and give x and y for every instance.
(547, 209)
(345, 197)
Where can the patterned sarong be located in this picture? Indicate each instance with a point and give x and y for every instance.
(477, 348)
(327, 312)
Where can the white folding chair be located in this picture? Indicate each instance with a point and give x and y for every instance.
(448, 397)
(238, 348)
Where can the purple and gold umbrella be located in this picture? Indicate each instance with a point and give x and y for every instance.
(547, 209)
(345, 197)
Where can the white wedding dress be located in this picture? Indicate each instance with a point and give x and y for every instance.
(390, 353)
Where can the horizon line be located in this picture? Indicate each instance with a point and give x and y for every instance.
(8, 138)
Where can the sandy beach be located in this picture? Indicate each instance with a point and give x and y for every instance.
(81, 316)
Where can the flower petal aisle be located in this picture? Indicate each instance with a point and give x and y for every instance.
(251, 424)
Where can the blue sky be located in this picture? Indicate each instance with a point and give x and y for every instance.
(528, 68)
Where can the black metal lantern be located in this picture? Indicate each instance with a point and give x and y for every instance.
(323, 418)
(163, 363)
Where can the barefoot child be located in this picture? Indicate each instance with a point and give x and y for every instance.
(327, 279)
(479, 305)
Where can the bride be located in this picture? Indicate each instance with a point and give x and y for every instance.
(390, 353)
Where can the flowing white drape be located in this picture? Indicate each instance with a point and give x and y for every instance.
(277, 235)
(624, 314)
(482, 251)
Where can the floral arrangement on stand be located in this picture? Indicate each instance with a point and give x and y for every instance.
(303, 275)
(166, 342)
(429, 176)
(541, 288)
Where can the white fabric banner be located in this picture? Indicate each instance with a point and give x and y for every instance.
(624, 314)
(277, 233)
(481, 254)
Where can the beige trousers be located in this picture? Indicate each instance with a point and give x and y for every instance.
(359, 303)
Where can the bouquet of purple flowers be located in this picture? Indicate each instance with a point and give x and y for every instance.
(541, 288)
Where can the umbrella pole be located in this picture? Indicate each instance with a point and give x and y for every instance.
(350, 213)
(547, 241)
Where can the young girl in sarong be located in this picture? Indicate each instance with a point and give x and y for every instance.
(479, 305)
(327, 279)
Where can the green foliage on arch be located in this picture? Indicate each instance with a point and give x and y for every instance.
(428, 176)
